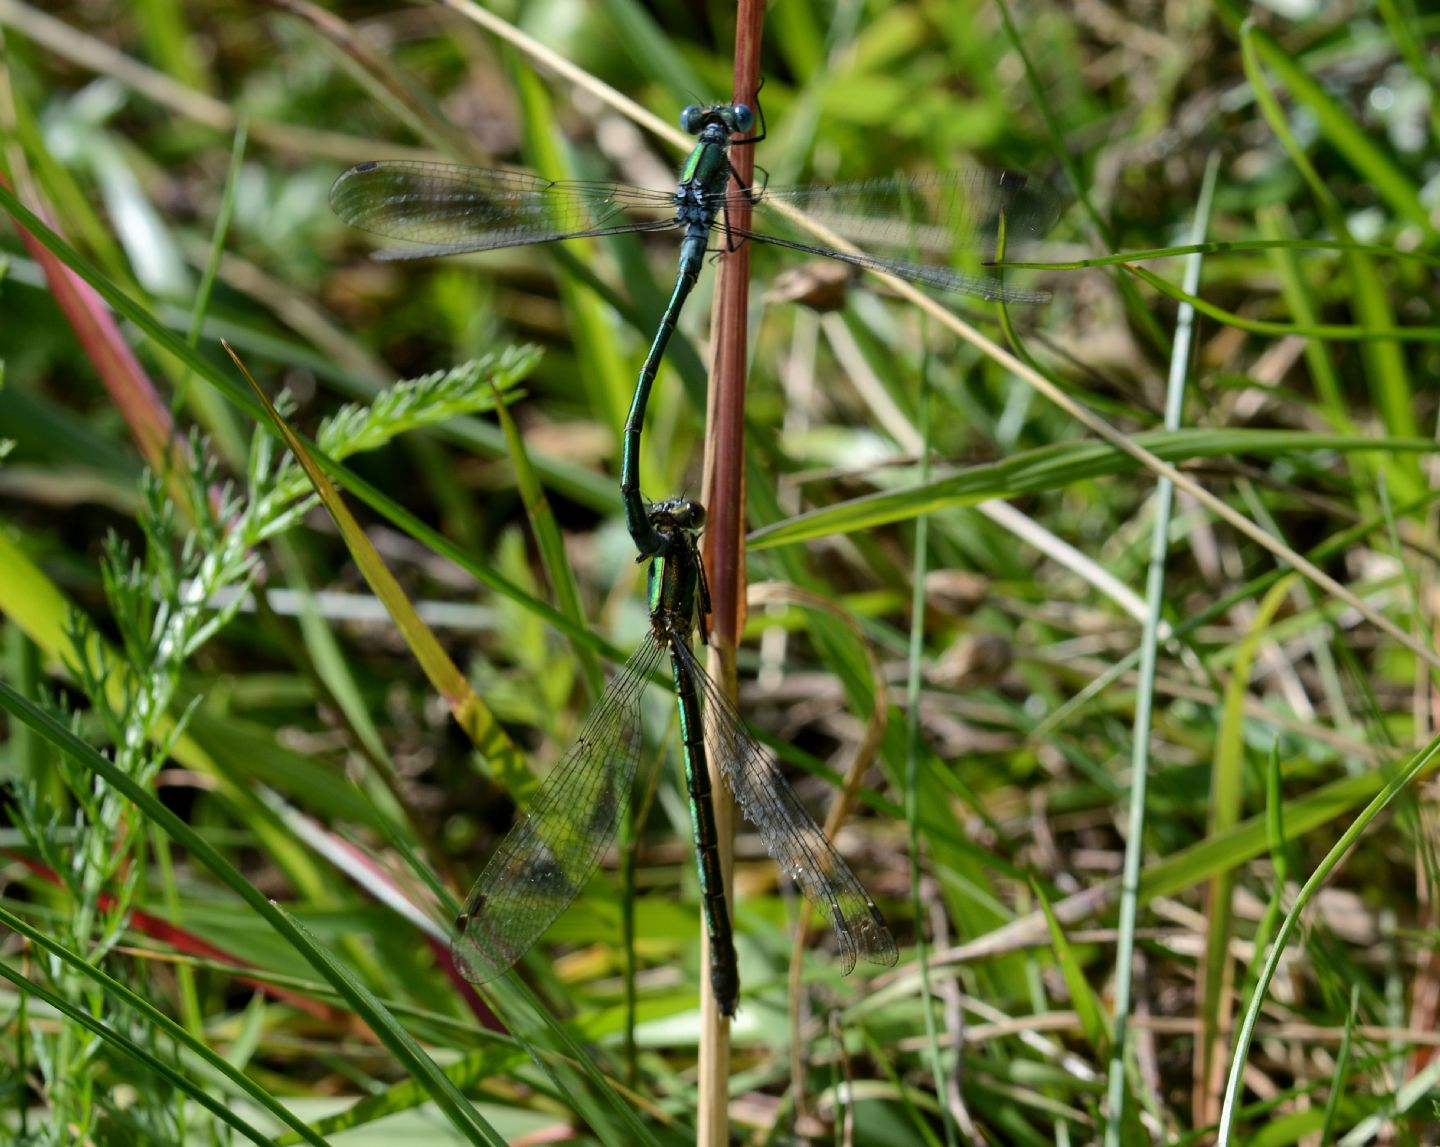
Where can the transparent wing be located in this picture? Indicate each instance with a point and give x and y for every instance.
(449, 210)
(936, 213)
(550, 854)
(978, 283)
(790, 834)
(941, 218)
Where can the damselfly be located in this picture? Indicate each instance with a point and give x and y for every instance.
(550, 854)
(937, 218)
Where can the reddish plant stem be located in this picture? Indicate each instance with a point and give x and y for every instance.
(130, 388)
(724, 489)
(724, 498)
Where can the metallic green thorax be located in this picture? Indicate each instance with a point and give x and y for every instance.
(674, 587)
(707, 167)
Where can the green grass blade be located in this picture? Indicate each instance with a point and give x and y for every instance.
(237, 394)
(152, 1015)
(374, 1014)
(1227, 786)
(470, 712)
(1119, 1098)
(1082, 997)
(1381, 331)
(123, 1043)
(1357, 145)
(550, 543)
(1420, 763)
(1053, 467)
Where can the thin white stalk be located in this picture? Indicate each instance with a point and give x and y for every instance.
(1150, 640)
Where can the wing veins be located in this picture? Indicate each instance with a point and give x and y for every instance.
(797, 844)
(451, 210)
(550, 853)
(942, 278)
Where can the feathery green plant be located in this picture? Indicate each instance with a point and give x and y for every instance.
(1305, 436)
(202, 549)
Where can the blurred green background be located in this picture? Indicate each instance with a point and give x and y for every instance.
(322, 763)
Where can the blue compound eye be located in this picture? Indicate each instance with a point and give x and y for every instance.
(742, 118)
(692, 119)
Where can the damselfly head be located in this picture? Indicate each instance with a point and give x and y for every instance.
(734, 118)
(677, 514)
(689, 515)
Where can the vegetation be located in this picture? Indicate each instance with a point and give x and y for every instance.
(1127, 590)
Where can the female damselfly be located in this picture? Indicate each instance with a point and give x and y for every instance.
(550, 854)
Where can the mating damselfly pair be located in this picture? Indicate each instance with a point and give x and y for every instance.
(545, 860)
(914, 226)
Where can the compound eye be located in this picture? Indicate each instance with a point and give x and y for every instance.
(697, 515)
(743, 118)
(692, 119)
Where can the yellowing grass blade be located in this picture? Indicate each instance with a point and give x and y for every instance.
(469, 711)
